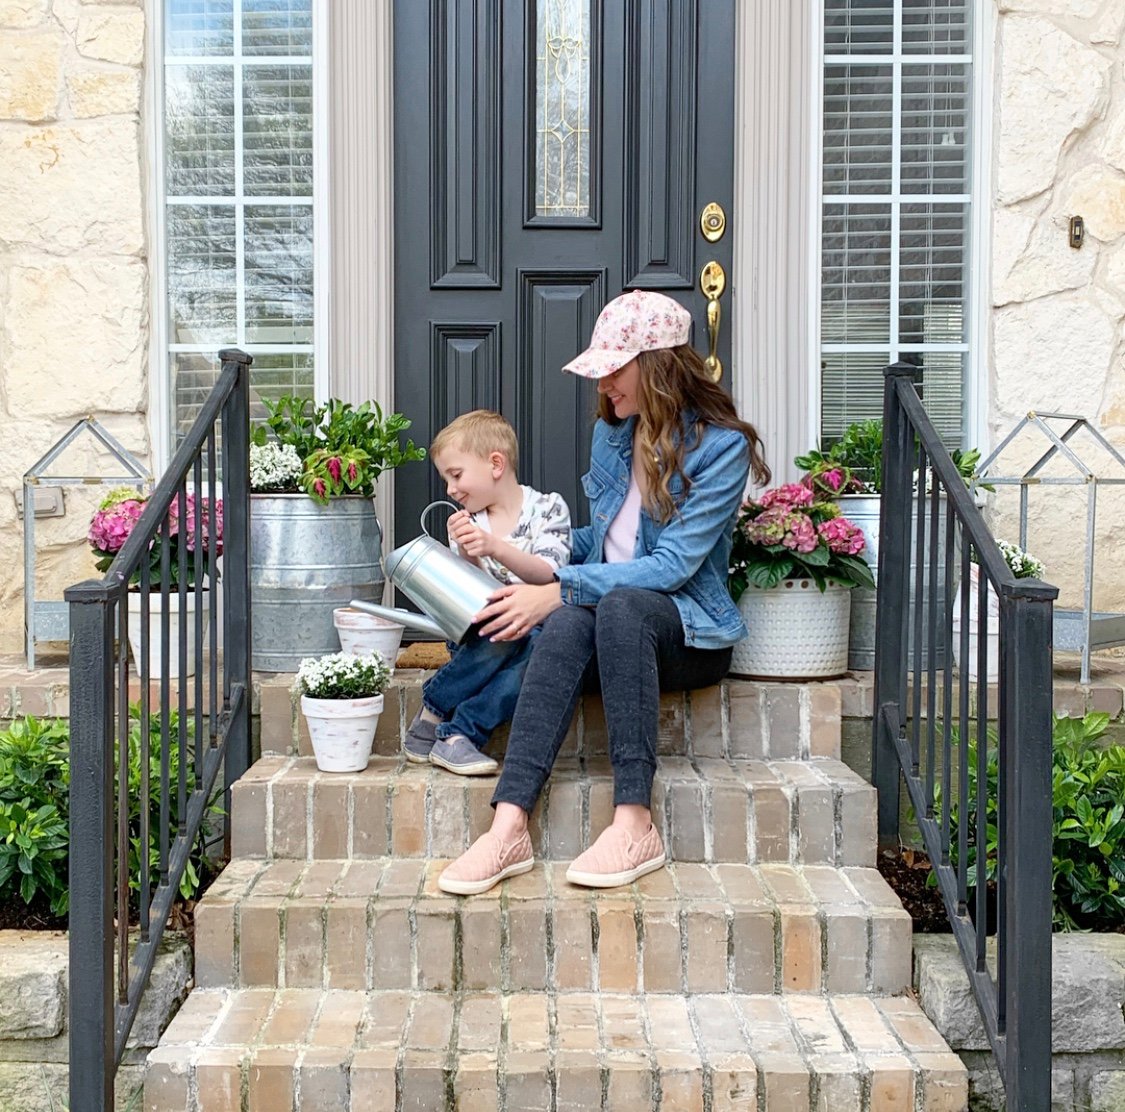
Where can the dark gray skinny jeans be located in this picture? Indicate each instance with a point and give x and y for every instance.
(631, 647)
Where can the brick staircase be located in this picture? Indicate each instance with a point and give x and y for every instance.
(762, 970)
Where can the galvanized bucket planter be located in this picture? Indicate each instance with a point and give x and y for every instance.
(306, 560)
(863, 510)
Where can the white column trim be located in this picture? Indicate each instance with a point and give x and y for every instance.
(775, 330)
(359, 194)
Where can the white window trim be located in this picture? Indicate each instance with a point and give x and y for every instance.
(159, 379)
(977, 300)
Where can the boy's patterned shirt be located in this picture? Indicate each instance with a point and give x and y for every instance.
(543, 529)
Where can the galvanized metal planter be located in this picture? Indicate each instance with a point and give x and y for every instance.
(863, 510)
(306, 560)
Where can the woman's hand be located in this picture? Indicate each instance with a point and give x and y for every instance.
(471, 539)
(513, 612)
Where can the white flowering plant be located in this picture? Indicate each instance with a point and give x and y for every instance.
(275, 468)
(1023, 564)
(342, 676)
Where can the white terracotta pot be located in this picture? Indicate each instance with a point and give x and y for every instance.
(155, 614)
(342, 731)
(795, 631)
(362, 634)
(992, 638)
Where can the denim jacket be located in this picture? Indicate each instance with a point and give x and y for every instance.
(688, 557)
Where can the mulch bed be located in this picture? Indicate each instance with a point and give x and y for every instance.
(906, 870)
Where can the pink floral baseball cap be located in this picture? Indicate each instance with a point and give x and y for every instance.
(634, 322)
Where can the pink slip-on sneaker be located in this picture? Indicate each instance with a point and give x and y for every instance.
(485, 863)
(617, 858)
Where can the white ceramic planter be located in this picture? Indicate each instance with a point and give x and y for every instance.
(155, 615)
(362, 634)
(992, 638)
(795, 632)
(342, 731)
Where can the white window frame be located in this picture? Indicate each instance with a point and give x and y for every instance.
(160, 384)
(977, 298)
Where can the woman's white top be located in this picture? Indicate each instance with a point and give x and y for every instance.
(621, 537)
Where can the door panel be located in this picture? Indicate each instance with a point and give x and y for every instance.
(627, 107)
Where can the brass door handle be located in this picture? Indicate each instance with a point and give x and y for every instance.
(713, 281)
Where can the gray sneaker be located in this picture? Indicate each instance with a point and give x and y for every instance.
(458, 754)
(420, 738)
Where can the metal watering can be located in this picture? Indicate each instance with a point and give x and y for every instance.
(447, 588)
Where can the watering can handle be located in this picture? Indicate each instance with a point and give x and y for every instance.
(422, 516)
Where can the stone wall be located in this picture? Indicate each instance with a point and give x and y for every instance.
(33, 1019)
(73, 273)
(1087, 1035)
(1058, 341)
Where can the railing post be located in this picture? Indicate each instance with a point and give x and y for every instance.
(1026, 768)
(236, 565)
(91, 1020)
(893, 595)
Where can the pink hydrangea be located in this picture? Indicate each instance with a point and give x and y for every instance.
(112, 524)
(782, 525)
(212, 522)
(842, 536)
(801, 534)
(790, 495)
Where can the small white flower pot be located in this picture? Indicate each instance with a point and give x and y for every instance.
(362, 634)
(795, 631)
(342, 731)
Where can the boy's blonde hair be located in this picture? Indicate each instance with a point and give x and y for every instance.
(479, 433)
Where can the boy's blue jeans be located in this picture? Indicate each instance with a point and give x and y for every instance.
(478, 689)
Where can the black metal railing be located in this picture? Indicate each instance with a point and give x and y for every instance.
(164, 570)
(982, 797)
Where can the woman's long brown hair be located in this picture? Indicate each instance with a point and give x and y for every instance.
(672, 382)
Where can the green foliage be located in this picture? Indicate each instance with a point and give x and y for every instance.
(35, 808)
(1088, 793)
(34, 788)
(344, 448)
(860, 452)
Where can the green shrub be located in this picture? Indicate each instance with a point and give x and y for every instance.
(35, 808)
(34, 793)
(1088, 792)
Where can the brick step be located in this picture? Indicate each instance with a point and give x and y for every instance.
(687, 928)
(810, 812)
(263, 1050)
(736, 718)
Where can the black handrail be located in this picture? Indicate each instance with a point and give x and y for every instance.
(914, 644)
(105, 731)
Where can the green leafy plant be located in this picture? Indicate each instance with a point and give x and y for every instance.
(34, 790)
(35, 808)
(859, 454)
(343, 448)
(1088, 801)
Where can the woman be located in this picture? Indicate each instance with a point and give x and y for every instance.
(643, 606)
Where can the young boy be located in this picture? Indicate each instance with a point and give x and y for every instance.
(517, 535)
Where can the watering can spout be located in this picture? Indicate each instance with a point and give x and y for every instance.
(404, 617)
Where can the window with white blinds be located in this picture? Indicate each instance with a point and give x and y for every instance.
(238, 194)
(896, 205)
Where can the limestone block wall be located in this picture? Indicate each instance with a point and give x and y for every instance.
(73, 273)
(1058, 317)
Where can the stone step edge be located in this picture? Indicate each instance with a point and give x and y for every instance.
(687, 928)
(816, 811)
(364, 1051)
(732, 719)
